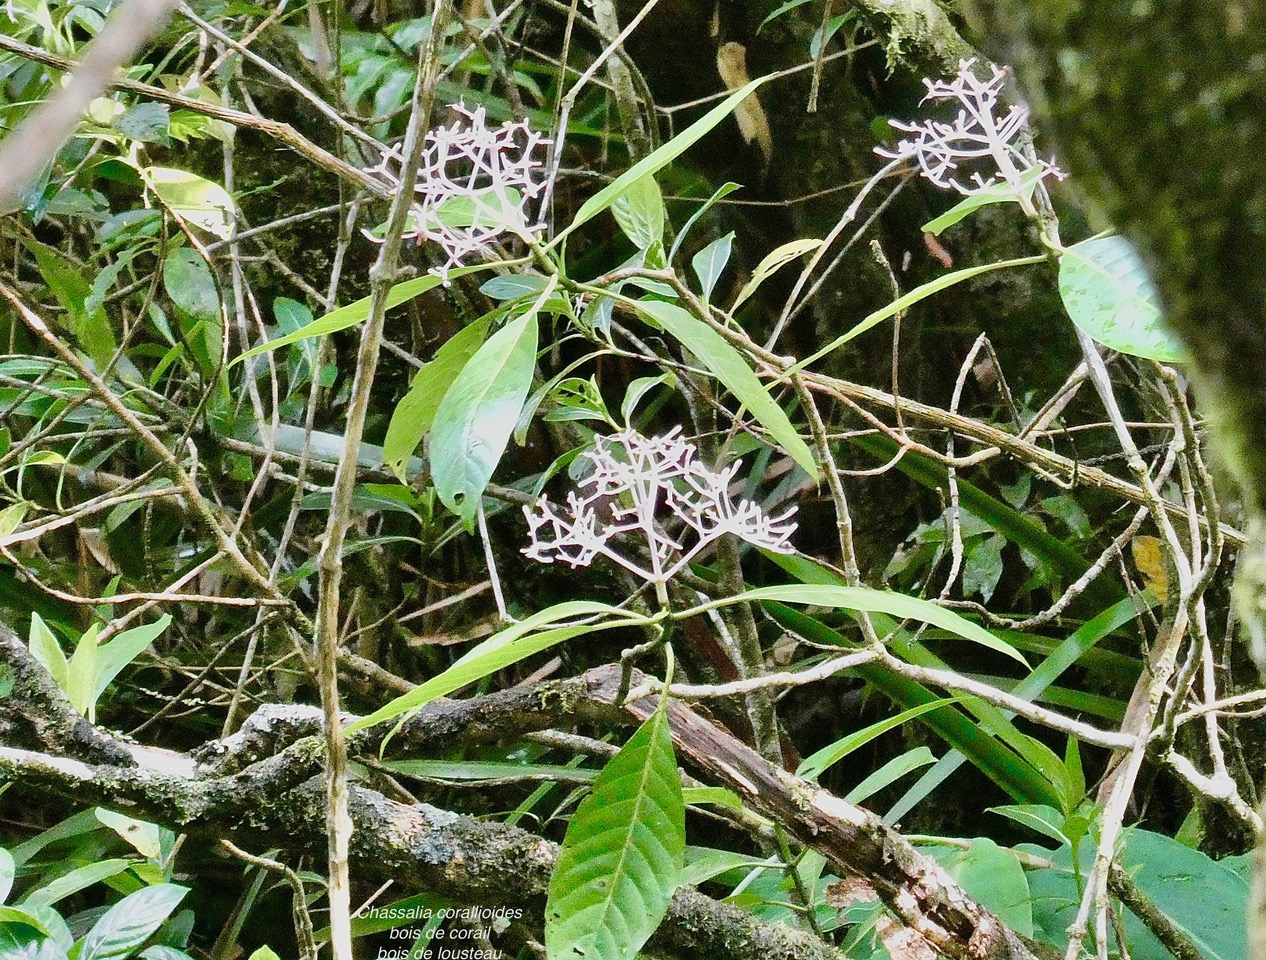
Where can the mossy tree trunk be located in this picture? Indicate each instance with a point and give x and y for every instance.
(1157, 110)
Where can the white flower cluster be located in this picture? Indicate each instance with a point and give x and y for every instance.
(975, 135)
(474, 184)
(632, 475)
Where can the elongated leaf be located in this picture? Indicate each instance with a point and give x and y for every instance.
(1109, 295)
(883, 601)
(728, 366)
(83, 822)
(7, 872)
(74, 292)
(477, 415)
(513, 286)
(78, 879)
(990, 744)
(131, 922)
(471, 770)
(191, 284)
(992, 757)
(998, 193)
(10, 518)
(710, 261)
(658, 159)
(162, 952)
(779, 10)
(890, 773)
(722, 191)
(1017, 527)
(500, 650)
(117, 653)
(81, 673)
(1038, 817)
(194, 199)
(812, 766)
(46, 649)
(639, 388)
(354, 313)
(703, 864)
(415, 413)
(822, 36)
(908, 300)
(773, 262)
(623, 854)
(144, 837)
(640, 212)
(718, 796)
(1202, 897)
(995, 878)
(1047, 672)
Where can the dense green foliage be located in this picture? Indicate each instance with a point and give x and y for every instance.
(643, 468)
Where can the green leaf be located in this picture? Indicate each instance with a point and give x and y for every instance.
(1110, 297)
(813, 766)
(146, 122)
(471, 770)
(11, 518)
(8, 870)
(638, 389)
(779, 11)
(658, 159)
(883, 601)
(1068, 652)
(890, 773)
(983, 747)
(995, 878)
(513, 286)
(822, 36)
(143, 836)
(622, 857)
(193, 199)
(703, 863)
(1204, 898)
(78, 879)
(73, 292)
(728, 366)
(131, 922)
(998, 193)
(773, 262)
(717, 796)
(354, 313)
(191, 284)
(46, 649)
(414, 414)
(162, 952)
(475, 419)
(13, 942)
(710, 261)
(500, 650)
(722, 191)
(81, 674)
(264, 953)
(1039, 817)
(639, 211)
(983, 567)
(908, 300)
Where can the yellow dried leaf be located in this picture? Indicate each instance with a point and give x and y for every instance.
(1149, 560)
(753, 124)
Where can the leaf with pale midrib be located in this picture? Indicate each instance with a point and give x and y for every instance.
(622, 858)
